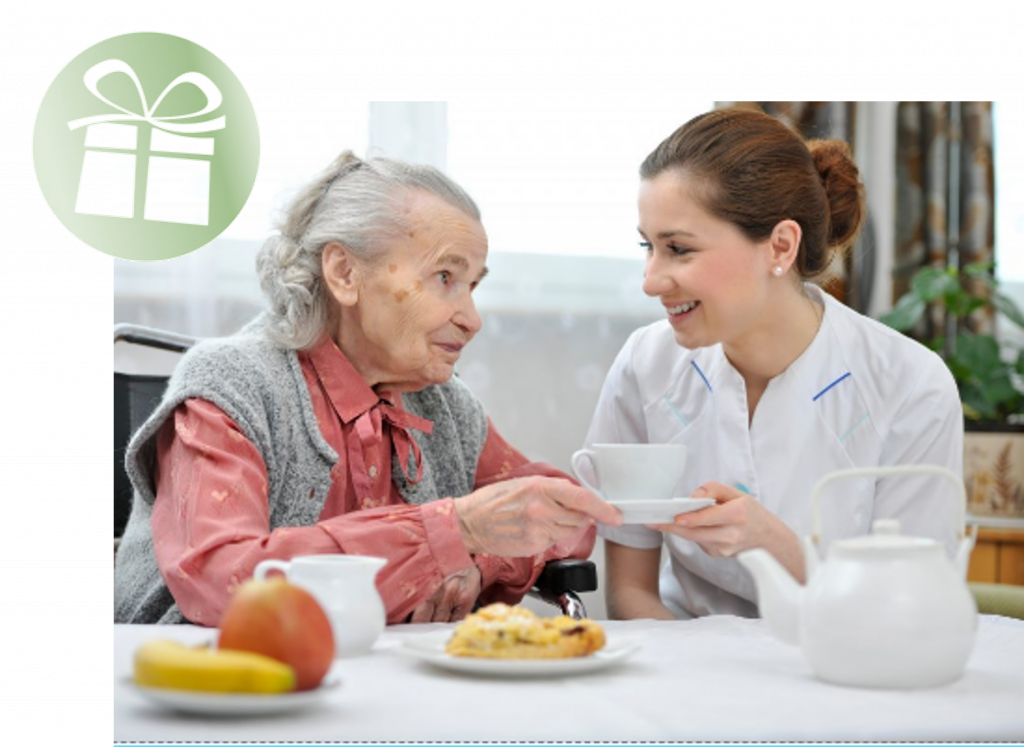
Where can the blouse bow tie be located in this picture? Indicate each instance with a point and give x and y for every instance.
(369, 429)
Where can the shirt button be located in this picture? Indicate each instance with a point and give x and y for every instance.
(373, 470)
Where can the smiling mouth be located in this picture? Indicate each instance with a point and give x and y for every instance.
(682, 309)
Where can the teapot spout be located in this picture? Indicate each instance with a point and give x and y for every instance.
(779, 596)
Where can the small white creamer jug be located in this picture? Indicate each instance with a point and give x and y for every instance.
(345, 586)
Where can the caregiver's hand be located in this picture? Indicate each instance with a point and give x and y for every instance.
(527, 515)
(738, 522)
(453, 600)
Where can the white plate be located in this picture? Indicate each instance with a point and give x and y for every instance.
(234, 704)
(659, 512)
(430, 648)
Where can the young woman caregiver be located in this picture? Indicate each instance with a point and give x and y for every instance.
(769, 382)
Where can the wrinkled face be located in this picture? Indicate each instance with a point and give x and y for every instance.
(415, 310)
(713, 281)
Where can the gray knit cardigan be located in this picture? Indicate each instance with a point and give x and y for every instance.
(260, 386)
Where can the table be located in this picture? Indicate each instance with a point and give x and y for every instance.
(714, 678)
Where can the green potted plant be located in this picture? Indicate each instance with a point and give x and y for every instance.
(990, 378)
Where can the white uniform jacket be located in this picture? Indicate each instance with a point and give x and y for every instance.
(861, 395)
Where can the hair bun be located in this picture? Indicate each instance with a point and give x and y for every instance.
(843, 189)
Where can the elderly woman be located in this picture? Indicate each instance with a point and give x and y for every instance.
(332, 424)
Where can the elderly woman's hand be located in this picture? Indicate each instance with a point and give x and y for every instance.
(453, 600)
(527, 515)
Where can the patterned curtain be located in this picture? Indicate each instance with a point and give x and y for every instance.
(829, 120)
(944, 153)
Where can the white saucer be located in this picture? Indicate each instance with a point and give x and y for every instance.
(659, 512)
(234, 704)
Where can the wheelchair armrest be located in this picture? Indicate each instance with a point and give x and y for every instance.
(560, 576)
(561, 581)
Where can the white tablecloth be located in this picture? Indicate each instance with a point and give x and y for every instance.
(716, 678)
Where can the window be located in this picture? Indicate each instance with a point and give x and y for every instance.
(1008, 153)
(1008, 147)
(559, 179)
(557, 187)
(556, 184)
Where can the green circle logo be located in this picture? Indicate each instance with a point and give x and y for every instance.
(146, 146)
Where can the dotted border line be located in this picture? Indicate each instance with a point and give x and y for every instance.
(565, 742)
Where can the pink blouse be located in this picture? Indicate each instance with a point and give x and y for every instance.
(210, 520)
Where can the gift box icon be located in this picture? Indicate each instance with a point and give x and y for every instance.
(177, 184)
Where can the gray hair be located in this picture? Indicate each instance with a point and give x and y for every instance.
(357, 203)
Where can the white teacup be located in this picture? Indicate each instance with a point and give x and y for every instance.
(632, 472)
(345, 587)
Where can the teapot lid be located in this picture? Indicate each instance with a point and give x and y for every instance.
(885, 538)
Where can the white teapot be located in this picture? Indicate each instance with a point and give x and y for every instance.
(884, 610)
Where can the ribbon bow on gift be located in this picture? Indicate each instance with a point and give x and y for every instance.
(100, 70)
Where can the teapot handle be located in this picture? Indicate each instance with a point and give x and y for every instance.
(910, 469)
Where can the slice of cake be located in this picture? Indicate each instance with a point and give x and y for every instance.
(499, 631)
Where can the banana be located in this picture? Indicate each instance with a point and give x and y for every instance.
(173, 665)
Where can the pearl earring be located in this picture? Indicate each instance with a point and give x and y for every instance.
(778, 272)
